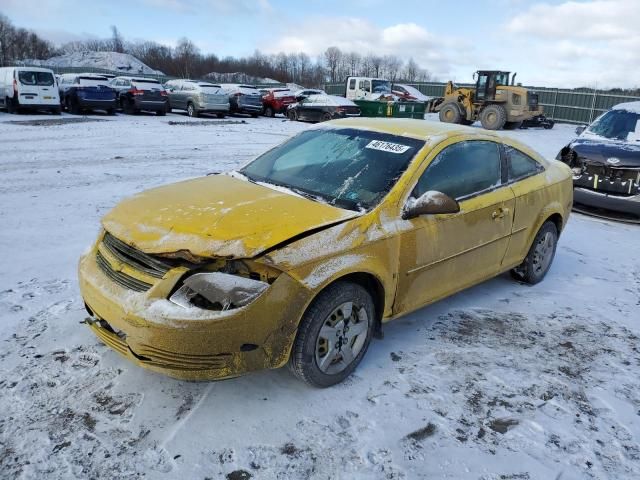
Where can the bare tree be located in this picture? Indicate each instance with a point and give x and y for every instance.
(333, 57)
(411, 70)
(116, 40)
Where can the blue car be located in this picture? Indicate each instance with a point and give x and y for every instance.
(82, 92)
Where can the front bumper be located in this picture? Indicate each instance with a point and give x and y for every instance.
(155, 334)
(607, 205)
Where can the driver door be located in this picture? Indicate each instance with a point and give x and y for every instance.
(442, 254)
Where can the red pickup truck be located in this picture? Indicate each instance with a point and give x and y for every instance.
(276, 100)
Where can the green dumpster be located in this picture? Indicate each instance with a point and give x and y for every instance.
(377, 108)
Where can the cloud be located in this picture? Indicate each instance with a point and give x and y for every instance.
(591, 43)
(437, 53)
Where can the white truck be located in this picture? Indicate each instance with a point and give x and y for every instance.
(29, 88)
(367, 88)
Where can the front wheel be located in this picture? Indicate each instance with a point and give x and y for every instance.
(191, 110)
(450, 113)
(325, 117)
(333, 335)
(538, 261)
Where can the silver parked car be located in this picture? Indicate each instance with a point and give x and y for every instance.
(197, 97)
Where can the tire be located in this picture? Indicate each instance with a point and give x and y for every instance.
(538, 261)
(493, 117)
(549, 125)
(292, 115)
(512, 125)
(128, 107)
(254, 115)
(11, 105)
(326, 116)
(220, 115)
(320, 360)
(161, 113)
(191, 110)
(111, 111)
(450, 113)
(268, 112)
(56, 110)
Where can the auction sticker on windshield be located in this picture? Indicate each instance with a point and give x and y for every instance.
(387, 146)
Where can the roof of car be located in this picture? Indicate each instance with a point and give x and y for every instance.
(633, 107)
(424, 129)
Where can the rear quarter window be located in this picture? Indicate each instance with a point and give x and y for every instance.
(521, 165)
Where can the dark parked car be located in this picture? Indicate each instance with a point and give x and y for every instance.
(86, 91)
(244, 99)
(138, 94)
(605, 159)
(320, 108)
(276, 100)
(197, 97)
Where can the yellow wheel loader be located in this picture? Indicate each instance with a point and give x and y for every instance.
(494, 101)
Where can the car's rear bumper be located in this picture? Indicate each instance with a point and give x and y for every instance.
(607, 205)
(161, 336)
(98, 104)
(213, 108)
(151, 105)
(38, 106)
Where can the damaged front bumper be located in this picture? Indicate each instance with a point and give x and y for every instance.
(191, 343)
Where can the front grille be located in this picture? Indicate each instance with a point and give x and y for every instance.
(619, 181)
(181, 361)
(135, 258)
(121, 278)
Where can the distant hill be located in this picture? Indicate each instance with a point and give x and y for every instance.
(237, 77)
(121, 62)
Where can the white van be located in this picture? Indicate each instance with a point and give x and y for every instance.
(31, 88)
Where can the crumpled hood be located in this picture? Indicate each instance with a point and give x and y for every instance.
(592, 149)
(216, 216)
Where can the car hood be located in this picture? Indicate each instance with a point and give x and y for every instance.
(598, 150)
(217, 216)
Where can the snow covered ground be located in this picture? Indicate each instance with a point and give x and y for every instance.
(502, 381)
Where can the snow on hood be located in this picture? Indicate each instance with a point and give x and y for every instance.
(217, 216)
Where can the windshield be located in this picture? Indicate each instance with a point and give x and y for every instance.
(502, 79)
(617, 125)
(350, 168)
(381, 86)
(35, 78)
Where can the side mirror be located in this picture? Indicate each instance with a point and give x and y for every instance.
(429, 203)
(580, 129)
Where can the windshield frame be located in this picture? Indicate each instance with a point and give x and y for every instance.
(342, 202)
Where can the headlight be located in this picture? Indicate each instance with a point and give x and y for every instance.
(217, 291)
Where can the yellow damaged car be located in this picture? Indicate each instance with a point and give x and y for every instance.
(303, 254)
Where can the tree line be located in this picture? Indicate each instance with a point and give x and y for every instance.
(186, 59)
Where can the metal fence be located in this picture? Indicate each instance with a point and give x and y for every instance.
(560, 104)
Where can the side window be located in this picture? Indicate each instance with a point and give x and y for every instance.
(462, 169)
(352, 84)
(521, 165)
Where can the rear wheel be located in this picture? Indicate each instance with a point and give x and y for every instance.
(128, 107)
(326, 116)
(450, 113)
(57, 110)
(111, 111)
(292, 115)
(254, 115)
(11, 105)
(72, 106)
(220, 115)
(512, 125)
(493, 117)
(538, 261)
(162, 112)
(191, 110)
(334, 335)
(268, 112)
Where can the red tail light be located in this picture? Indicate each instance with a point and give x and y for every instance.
(163, 93)
(135, 91)
(341, 109)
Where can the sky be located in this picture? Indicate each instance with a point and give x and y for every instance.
(549, 43)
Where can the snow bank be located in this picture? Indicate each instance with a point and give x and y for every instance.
(117, 62)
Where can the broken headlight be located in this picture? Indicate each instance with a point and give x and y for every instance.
(217, 291)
